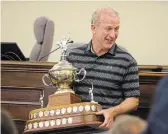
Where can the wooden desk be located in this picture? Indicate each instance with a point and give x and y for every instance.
(21, 87)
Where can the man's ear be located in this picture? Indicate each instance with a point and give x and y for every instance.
(93, 28)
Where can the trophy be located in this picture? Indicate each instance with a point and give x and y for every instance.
(61, 76)
(65, 113)
(63, 73)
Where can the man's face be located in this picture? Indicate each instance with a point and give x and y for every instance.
(105, 32)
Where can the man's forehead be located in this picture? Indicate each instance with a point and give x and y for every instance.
(112, 25)
(114, 22)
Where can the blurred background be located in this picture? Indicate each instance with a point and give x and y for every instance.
(143, 30)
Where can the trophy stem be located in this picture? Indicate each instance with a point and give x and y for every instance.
(63, 55)
(64, 88)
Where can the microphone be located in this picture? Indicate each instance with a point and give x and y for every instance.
(53, 51)
(48, 53)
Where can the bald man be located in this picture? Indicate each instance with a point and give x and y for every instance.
(112, 70)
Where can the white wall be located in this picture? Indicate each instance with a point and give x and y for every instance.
(143, 31)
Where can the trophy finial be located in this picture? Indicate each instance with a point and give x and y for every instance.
(41, 99)
(63, 45)
(91, 94)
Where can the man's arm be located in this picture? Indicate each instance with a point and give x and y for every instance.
(130, 87)
(127, 105)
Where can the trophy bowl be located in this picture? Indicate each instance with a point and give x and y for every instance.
(62, 75)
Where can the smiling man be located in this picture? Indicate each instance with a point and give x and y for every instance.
(105, 29)
(112, 71)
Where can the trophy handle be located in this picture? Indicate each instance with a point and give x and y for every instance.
(43, 79)
(81, 70)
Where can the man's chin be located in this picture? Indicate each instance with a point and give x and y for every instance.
(109, 45)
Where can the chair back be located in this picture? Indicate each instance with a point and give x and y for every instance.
(44, 33)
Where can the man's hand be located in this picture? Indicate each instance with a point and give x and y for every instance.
(110, 113)
(108, 118)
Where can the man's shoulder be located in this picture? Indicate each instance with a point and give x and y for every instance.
(123, 52)
(80, 46)
(76, 48)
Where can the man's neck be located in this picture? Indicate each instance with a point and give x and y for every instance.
(97, 49)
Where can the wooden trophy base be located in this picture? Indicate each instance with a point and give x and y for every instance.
(65, 114)
(63, 99)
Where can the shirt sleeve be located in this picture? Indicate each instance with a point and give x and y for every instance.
(130, 83)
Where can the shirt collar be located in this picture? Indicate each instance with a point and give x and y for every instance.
(88, 48)
(112, 51)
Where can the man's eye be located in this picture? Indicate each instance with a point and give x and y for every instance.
(117, 28)
(108, 29)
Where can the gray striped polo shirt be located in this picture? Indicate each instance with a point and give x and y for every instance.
(114, 75)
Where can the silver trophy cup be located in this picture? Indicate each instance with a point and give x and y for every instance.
(62, 74)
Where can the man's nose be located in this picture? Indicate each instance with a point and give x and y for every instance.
(112, 33)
